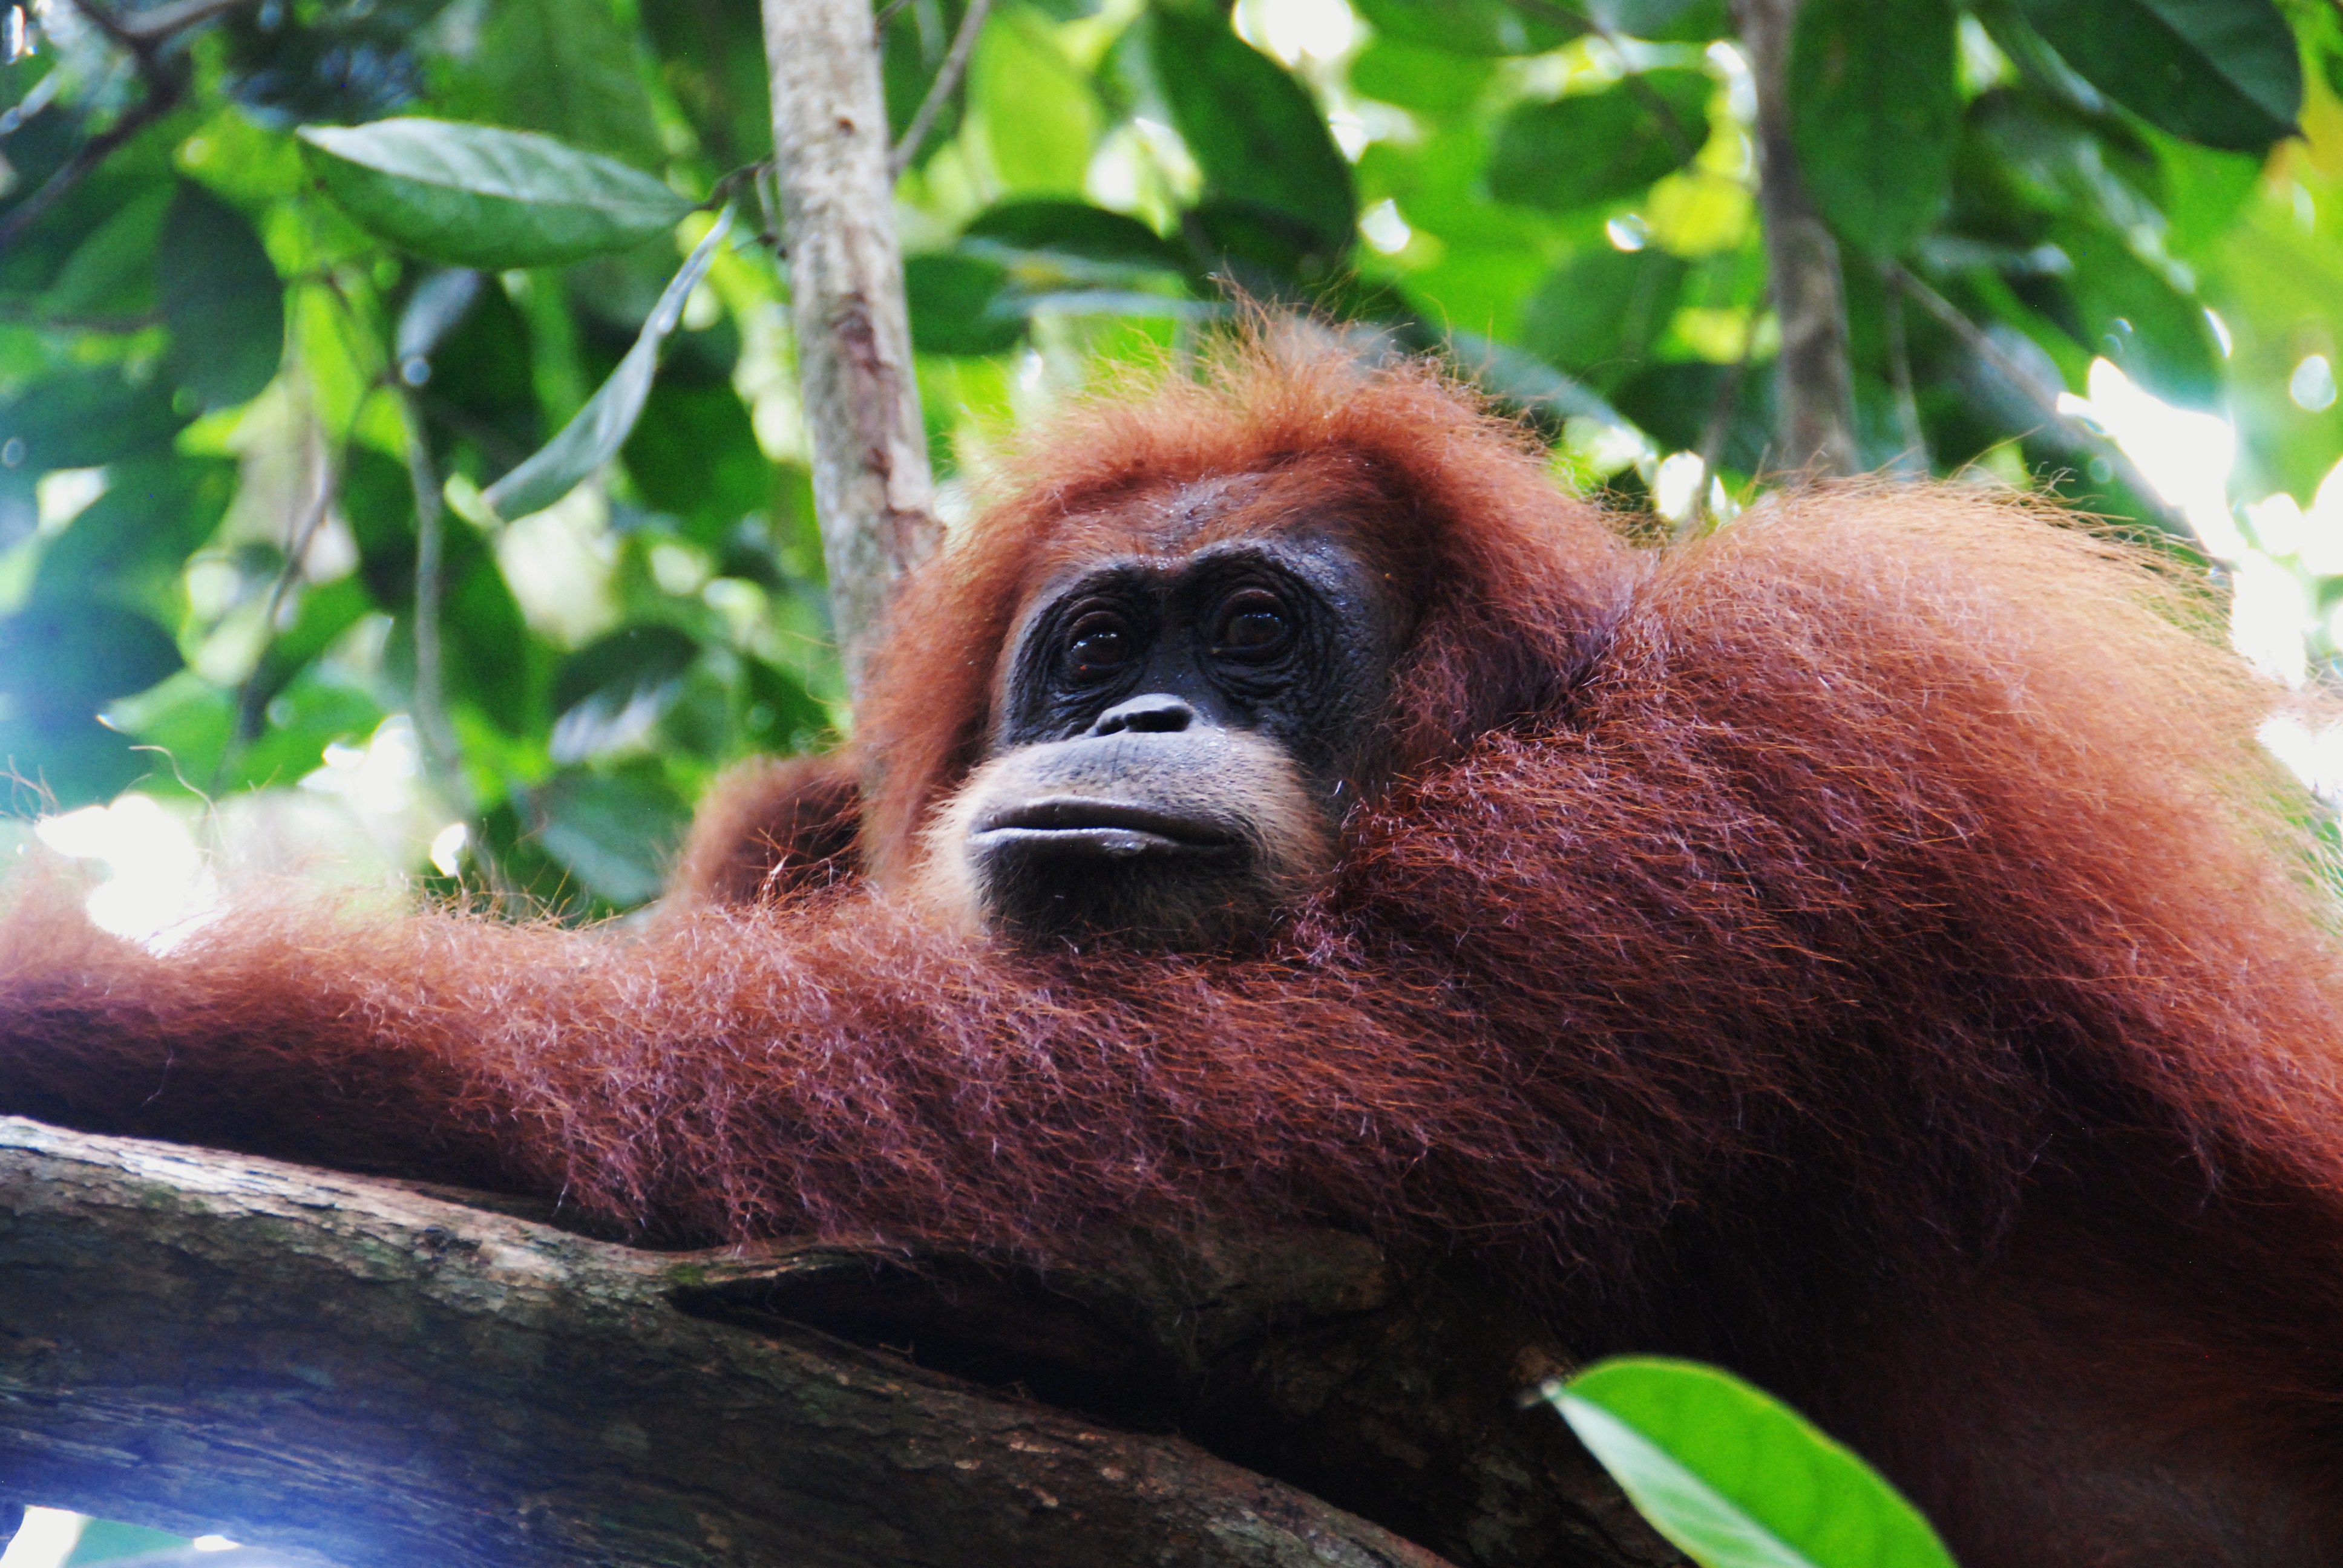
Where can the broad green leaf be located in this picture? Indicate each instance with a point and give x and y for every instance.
(1736, 1479)
(613, 832)
(1076, 230)
(1420, 76)
(222, 299)
(601, 690)
(112, 273)
(1036, 110)
(961, 304)
(1874, 114)
(2224, 72)
(2129, 310)
(81, 418)
(310, 714)
(130, 547)
(1469, 26)
(1255, 132)
(1592, 147)
(473, 196)
(1599, 314)
(600, 428)
(694, 455)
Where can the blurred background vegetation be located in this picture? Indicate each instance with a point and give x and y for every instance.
(2092, 246)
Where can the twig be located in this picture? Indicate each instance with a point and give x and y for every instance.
(442, 756)
(1975, 339)
(948, 76)
(887, 14)
(1899, 374)
(1719, 428)
(157, 103)
(249, 701)
(167, 84)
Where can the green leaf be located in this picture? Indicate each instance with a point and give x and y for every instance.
(82, 417)
(112, 273)
(1075, 230)
(694, 455)
(2131, 311)
(2224, 72)
(634, 667)
(59, 657)
(1037, 112)
(601, 428)
(613, 832)
(130, 547)
(1874, 115)
(1736, 1479)
(223, 299)
(1421, 76)
(1600, 311)
(1595, 147)
(960, 304)
(1468, 26)
(473, 196)
(1255, 132)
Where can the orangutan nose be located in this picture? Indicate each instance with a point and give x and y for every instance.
(1158, 713)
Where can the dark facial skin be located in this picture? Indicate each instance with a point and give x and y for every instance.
(1178, 740)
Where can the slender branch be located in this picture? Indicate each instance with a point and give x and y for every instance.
(144, 39)
(939, 91)
(1815, 415)
(300, 534)
(157, 103)
(1899, 374)
(1977, 341)
(1714, 435)
(442, 753)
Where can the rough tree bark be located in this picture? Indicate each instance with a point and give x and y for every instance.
(364, 1373)
(1814, 423)
(871, 487)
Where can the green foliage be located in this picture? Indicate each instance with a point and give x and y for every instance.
(1734, 1478)
(2221, 72)
(470, 195)
(392, 257)
(1874, 114)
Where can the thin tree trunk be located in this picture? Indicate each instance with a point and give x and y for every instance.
(1815, 427)
(871, 481)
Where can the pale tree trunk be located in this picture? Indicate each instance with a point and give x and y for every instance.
(871, 484)
(1814, 424)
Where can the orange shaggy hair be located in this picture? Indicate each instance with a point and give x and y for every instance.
(1876, 913)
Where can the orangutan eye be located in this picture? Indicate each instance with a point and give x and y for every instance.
(1100, 643)
(1252, 625)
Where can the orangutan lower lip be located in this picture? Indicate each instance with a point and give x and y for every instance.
(1101, 826)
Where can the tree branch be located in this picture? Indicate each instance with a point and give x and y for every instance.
(939, 91)
(1979, 342)
(369, 1374)
(872, 490)
(1817, 389)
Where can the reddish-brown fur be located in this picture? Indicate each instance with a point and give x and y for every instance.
(1865, 947)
